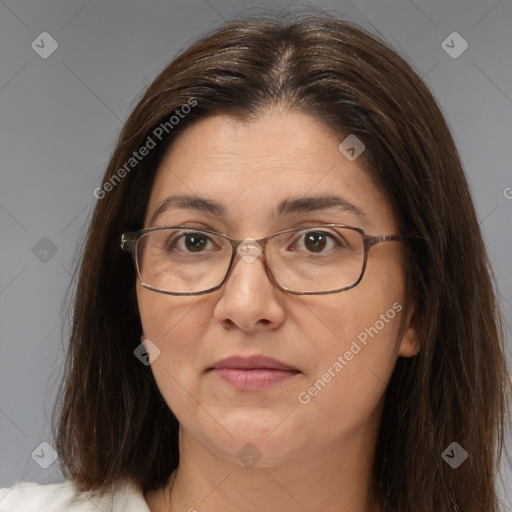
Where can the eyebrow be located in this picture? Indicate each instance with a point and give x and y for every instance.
(285, 207)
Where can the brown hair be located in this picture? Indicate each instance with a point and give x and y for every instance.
(112, 422)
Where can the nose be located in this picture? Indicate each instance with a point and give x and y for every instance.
(249, 299)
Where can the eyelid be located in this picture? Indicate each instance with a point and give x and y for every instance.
(302, 225)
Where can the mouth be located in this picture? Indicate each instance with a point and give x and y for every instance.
(253, 372)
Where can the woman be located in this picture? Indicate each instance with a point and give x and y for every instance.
(284, 300)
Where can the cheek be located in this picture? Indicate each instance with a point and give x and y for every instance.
(167, 318)
(350, 376)
(362, 330)
(175, 325)
(376, 317)
(371, 310)
(179, 327)
(355, 349)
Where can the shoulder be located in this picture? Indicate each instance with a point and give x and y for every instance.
(65, 496)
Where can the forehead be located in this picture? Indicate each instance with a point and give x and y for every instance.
(252, 167)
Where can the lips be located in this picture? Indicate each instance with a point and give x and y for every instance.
(252, 363)
(253, 372)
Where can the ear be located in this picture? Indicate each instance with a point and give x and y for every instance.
(410, 344)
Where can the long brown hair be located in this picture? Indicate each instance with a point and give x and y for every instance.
(112, 423)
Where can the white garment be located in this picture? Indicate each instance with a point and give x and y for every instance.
(65, 497)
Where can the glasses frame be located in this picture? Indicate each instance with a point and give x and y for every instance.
(128, 243)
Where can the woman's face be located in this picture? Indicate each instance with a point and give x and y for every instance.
(342, 346)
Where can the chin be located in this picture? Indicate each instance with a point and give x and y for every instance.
(270, 442)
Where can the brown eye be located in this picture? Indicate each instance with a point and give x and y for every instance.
(195, 242)
(315, 241)
(189, 242)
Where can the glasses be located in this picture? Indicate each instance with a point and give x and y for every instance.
(182, 260)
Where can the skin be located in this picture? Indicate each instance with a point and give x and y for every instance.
(316, 456)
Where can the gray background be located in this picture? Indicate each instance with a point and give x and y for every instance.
(59, 118)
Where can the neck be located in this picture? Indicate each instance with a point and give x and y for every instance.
(319, 479)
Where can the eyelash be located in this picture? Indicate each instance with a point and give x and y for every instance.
(334, 240)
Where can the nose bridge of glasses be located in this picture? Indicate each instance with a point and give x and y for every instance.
(249, 249)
